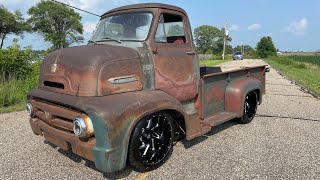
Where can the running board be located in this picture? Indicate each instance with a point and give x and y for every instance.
(219, 118)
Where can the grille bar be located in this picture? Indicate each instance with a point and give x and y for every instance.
(55, 115)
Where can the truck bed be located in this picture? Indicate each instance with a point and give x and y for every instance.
(213, 85)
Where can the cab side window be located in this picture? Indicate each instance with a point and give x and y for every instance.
(170, 29)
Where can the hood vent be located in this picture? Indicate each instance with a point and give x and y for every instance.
(53, 84)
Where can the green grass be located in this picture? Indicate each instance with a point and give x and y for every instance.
(306, 74)
(13, 92)
(16, 107)
(212, 62)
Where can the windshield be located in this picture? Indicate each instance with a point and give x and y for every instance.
(238, 53)
(129, 26)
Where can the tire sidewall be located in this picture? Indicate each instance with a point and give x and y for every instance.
(245, 119)
(134, 157)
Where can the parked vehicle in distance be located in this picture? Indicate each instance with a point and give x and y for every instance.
(135, 89)
(237, 56)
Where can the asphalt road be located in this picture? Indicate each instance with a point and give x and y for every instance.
(282, 142)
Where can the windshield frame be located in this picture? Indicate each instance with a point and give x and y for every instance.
(126, 12)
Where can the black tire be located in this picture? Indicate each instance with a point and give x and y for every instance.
(151, 142)
(250, 108)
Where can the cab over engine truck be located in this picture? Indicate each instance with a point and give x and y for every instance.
(135, 88)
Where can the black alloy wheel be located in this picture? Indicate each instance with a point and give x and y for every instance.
(250, 107)
(151, 142)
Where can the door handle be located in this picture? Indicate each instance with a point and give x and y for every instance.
(155, 51)
(191, 53)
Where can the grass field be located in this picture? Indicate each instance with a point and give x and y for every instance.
(301, 54)
(307, 74)
(307, 59)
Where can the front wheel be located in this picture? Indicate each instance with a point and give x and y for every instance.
(151, 142)
(250, 107)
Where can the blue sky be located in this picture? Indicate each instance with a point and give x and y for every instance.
(293, 24)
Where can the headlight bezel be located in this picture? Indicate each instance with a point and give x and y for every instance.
(29, 109)
(82, 127)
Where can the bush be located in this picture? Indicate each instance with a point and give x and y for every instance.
(19, 74)
(16, 62)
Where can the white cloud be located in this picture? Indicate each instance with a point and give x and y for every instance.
(234, 27)
(89, 27)
(298, 27)
(253, 27)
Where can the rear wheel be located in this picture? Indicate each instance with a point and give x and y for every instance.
(250, 107)
(151, 142)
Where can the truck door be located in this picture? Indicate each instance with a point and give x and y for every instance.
(175, 62)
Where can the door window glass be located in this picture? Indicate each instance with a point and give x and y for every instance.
(170, 29)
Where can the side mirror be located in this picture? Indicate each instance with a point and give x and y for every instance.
(267, 69)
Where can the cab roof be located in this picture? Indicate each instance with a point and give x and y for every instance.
(146, 5)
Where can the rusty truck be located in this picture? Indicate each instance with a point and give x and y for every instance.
(135, 89)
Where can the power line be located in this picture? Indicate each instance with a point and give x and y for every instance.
(76, 8)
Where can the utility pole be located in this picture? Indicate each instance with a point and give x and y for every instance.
(242, 47)
(226, 33)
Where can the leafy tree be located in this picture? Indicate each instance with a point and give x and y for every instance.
(210, 39)
(229, 49)
(206, 37)
(11, 23)
(247, 48)
(265, 47)
(218, 48)
(58, 24)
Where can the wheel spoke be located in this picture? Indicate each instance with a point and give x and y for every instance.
(149, 123)
(155, 140)
(142, 146)
(145, 151)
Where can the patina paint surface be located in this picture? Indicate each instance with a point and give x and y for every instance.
(237, 91)
(83, 70)
(225, 91)
(174, 64)
(213, 95)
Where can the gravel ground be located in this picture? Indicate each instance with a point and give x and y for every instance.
(282, 142)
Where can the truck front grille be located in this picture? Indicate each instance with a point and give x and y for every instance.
(54, 115)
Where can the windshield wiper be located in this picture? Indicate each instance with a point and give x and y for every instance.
(113, 39)
(94, 42)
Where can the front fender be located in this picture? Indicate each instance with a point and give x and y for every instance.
(237, 90)
(115, 116)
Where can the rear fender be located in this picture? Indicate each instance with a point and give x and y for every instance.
(236, 92)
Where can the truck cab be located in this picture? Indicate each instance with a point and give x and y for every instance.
(135, 88)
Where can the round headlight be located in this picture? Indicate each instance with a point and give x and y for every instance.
(29, 109)
(79, 127)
